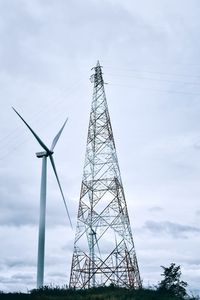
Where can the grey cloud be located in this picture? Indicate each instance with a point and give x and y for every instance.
(4, 279)
(19, 25)
(19, 207)
(192, 261)
(69, 246)
(17, 262)
(16, 207)
(17, 278)
(23, 276)
(196, 145)
(174, 230)
(56, 276)
(155, 209)
(31, 33)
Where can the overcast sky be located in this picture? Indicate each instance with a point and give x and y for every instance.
(149, 51)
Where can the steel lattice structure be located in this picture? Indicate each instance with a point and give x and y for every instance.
(104, 251)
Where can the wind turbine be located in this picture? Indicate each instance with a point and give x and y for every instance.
(41, 237)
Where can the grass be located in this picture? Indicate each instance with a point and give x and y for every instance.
(100, 293)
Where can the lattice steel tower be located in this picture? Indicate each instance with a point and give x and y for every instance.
(104, 251)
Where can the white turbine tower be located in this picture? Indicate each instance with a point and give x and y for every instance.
(41, 237)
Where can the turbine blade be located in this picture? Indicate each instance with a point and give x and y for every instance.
(35, 135)
(55, 140)
(58, 181)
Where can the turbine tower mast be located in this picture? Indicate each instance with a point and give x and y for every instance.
(42, 219)
(104, 251)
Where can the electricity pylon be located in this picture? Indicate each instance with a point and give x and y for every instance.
(104, 251)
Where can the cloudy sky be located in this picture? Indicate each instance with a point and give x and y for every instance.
(149, 50)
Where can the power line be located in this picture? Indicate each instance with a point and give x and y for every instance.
(155, 79)
(154, 72)
(154, 90)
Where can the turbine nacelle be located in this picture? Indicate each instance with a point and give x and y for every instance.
(43, 153)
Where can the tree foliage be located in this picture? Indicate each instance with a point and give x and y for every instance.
(172, 281)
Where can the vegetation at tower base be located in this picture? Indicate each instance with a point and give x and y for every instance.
(100, 293)
(164, 291)
(172, 282)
